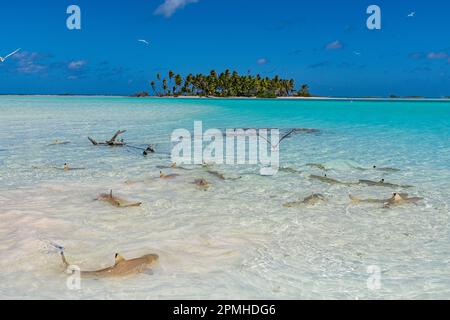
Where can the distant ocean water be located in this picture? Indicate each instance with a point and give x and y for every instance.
(235, 240)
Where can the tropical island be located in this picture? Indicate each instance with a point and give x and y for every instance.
(225, 84)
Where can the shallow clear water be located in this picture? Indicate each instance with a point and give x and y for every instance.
(235, 240)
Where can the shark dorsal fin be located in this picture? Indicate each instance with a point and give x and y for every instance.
(397, 197)
(118, 258)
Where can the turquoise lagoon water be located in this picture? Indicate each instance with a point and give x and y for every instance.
(235, 240)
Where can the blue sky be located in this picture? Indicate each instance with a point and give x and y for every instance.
(323, 43)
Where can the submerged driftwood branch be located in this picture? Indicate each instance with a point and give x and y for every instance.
(111, 142)
(114, 143)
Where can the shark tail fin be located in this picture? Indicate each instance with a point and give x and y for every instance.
(63, 257)
(354, 199)
(61, 252)
(59, 248)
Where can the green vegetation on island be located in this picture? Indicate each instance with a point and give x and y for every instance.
(225, 84)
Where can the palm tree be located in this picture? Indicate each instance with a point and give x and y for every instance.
(188, 83)
(171, 74)
(165, 86)
(304, 91)
(227, 77)
(153, 87)
(229, 84)
(178, 83)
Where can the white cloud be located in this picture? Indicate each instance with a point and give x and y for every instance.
(262, 61)
(76, 65)
(335, 45)
(437, 55)
(30, 63)
(168, 8)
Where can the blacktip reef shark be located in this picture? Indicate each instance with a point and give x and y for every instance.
(325, 179)
(162, 176)
(285, 133)
(309, 201)
(202, 184)
(385, 169)
(289, 170)
(117, 202)
(121, 268)
(318, 166)
(173, 166)
(58, 143)
(208, 164)
(396, 199)
(168, 176)
(382, 183)
(221, 176)
(216, 174)
(66, 167)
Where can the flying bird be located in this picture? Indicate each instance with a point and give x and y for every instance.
(411, 15)
(9, 55)
(144, 41)
(288, 134)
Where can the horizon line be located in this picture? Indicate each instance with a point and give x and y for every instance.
(343, 98)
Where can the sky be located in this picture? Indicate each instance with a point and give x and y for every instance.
(325, 44)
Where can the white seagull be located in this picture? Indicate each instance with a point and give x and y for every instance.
(411, 15)
(144, 41)
(9, 55)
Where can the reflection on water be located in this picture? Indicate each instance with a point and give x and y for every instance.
(236, 239)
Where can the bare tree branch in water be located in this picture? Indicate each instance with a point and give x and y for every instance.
(111, 142)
